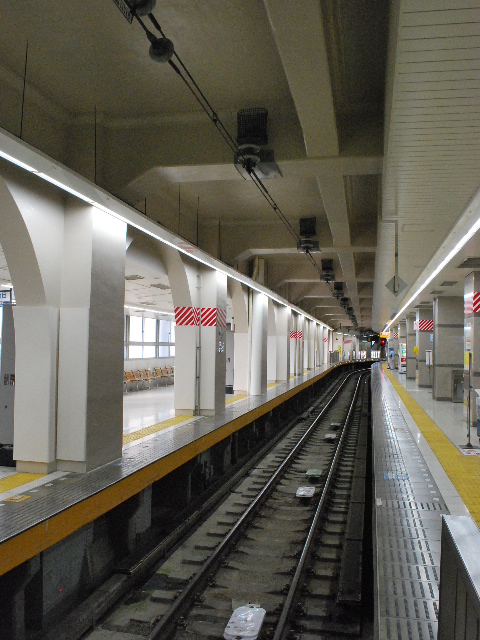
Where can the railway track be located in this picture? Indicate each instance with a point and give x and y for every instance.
(294, 559)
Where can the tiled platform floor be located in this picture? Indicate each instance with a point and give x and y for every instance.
(419, 476)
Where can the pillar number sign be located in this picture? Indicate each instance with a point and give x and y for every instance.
(5, 297)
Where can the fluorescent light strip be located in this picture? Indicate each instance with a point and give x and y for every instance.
(57, 183)
(19, 163)
(460, 244)
(20, 148)
(166, 313)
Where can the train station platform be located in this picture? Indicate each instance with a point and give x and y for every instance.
(420, 475)
(41, 512)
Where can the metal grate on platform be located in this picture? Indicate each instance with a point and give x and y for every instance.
(408, 512)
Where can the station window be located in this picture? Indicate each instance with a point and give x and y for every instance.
(148, 338)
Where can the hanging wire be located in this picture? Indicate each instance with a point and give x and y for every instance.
(214, 118)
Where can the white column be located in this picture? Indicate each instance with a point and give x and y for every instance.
(311, 344)
(35, 393)
(293, 345)
(240, 320)
(258, 304)
(90, 362)
(185, 284)
(300, 345)
(283, 319)
(271, 344)
(213, 299)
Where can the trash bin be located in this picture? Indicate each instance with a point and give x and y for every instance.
(457, 385)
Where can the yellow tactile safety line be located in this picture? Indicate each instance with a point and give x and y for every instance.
(155, 428)
(270, 385)
(235, 398)
(17, 479)
(462, 470)
(32, 541)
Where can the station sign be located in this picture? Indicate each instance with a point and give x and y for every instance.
(5, 297)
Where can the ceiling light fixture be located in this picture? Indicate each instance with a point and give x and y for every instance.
(451, 254)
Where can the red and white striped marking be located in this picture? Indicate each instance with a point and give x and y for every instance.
(213, 317)
(208, 317)
(190, 317)
(222, 318)
(423, 325)
(325, 339)
(296, 335)
(186, 316)
(476, 302)
(395, 335)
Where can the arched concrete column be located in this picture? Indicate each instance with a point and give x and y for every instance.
(300, 364)
(239, 296)
(424, 342)
(90, 363)
(283, 317)
(67, 263)
(258, 327)
(31, 230)
(293, 344)
(183, 278)
(310, 360)
(200, 300)
(213, 327)
(271, 344)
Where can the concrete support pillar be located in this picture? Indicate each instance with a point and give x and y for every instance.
(368, 348)
(448, 322)
(411, 342)
(7, 383)
(212, 317)
(306, 340)
(258, 325)
(90, 400)
(395, 346)
(424, 331)
(311, 344)
(318, 344)
(283, 317)
(293, 345)
(240, 322)
(472, 338)
(402, 343)
(271, 344)
(327, 344)
(391, 350)
(185, 284)
(240, 374)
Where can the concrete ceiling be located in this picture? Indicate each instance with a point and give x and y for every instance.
(373, 116)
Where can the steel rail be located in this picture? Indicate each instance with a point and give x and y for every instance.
(291, 596)
(160, 629)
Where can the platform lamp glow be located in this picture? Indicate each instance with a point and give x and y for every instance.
(472, 210)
